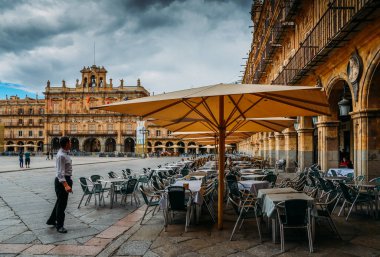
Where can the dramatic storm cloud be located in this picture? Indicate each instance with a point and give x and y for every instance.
(168, 44)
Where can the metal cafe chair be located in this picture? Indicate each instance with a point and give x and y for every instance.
(294, 214)
(151, 199)
(179, 201)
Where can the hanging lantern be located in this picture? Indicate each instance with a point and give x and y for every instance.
(314, 119)
(344, 107)
(296, 124)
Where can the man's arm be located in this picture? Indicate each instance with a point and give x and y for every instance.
(61, 173)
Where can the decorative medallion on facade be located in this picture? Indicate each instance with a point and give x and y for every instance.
(354, 72)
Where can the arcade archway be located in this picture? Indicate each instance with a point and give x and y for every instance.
(91, 145)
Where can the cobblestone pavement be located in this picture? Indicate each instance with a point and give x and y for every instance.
(27, 198)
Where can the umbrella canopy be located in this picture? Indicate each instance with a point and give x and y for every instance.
(249, 124)
(224, 106)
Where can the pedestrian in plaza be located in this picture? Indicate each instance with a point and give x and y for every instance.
(47, 155)
(27, 159)
(21, 159)
(63, 185)
(52, 154)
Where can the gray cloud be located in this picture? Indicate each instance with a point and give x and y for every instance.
(168, 44)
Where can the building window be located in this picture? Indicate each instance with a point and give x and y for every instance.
(55, 108)
(55, 128)
(40, 133)
(41, 111)
(20, 133)
(73, 128)
(30, 122)
(91, 128)
(20, 122)
(158, 133)
(30, 111)
(20, 111)
(170, 132)
(30, 133)
(40, 121)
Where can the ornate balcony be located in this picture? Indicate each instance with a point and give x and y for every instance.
(91, 132)
(342, 18)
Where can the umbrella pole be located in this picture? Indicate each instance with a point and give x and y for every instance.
(222, 134)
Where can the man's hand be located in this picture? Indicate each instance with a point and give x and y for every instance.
(67, 187)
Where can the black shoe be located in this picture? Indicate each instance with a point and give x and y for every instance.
(62, 230)
(50, 223)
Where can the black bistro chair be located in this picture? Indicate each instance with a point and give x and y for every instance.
(179, 201)
(129, 188)
(294, 214)
(151, 199)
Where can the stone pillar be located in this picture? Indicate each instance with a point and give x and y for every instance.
(290, 147)
(272, 149)
(266, 146)
(280, 146)
(261, 145)
(328, 143)
(305, 143)
(366, 147)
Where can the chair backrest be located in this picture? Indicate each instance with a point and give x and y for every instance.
(185, 172)
(176, 196)
(271, 178)
(233, 187)
(142, 190)
(333, 172)
(377, 182)
(143, 179)
(359, 179)
(95, 178)
(347, 192)
(235, 201)
(84, 185)
(296, 212)
(128, 171)
(112, 174)
(155, 183)
(322, 185)
(129, 186)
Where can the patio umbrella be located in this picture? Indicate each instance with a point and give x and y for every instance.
(223, 106)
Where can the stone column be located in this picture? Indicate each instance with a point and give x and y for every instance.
(305, 143)
(119, 145)
(261, 145)
(280, 144)
(272, 149)
(328, 143)
(266, 146)
(366, 130)
(290, 148)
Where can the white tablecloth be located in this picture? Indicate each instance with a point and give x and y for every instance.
(253, 185)
(271, 200)
(195, 188)
(340, 171)
(254, 177)
(263, 192)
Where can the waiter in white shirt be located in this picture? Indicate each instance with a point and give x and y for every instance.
(63, 185)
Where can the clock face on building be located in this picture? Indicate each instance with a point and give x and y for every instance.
(353, 69)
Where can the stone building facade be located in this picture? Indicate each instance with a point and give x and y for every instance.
(66, 111)
(332, 44)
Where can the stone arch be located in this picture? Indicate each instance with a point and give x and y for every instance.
(30, 148)
(92, 144)
(10, 148)
(158, 146)
(368, 96)
(74, 144)
(129, 145)
(149, 146)
(21, 146)
(40, 146)
(181, 147)
(110, 145)
(55, 144)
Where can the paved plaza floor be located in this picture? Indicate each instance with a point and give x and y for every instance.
(27, 198)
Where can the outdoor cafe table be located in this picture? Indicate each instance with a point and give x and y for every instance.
(195, 188)
(263, 192)
(340, 171)
(253, 185)
(251, 171)
(254, 177)
(269, 202)
(114, 183)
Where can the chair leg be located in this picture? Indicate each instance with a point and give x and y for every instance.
(144, 214)
(233, 231)
(88, 199)
(282, 238)
(349, 212)
(258, 222)
(81, 201)
(341, 208)
(310, 238)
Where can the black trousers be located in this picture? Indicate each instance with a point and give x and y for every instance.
(58, 214)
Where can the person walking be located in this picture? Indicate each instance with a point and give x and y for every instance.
(27, 159)
(63, 185)
(47, 155)
(21, 159)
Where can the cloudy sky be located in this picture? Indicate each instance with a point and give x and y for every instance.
(168, 44)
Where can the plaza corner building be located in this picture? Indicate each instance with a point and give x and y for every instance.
(37, 124)
(332, 44)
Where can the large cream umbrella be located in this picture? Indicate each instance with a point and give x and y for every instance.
(222, 106)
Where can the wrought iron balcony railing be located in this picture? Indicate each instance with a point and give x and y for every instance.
(340, 19)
